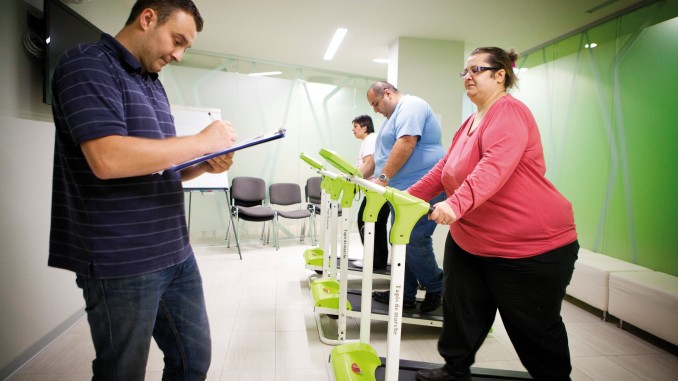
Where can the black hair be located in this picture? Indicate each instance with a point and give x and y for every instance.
(164, 8)
(502, 59)
(364, 121)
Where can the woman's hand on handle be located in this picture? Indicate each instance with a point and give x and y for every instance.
(442, 214)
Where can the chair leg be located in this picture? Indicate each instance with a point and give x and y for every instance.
(266, 233)
(238, 226)
(264, 238)
(232, 224)
(236, 233)
(302, 238)
(228, 233)
(275, 233)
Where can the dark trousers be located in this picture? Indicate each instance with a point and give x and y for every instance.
(527, 292)
(380, 234)
(125, 314)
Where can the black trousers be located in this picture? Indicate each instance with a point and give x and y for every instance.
(527, 292)
(380, 234)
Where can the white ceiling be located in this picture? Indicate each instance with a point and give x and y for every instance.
(297, 32)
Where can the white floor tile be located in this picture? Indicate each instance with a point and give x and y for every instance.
(607, 339)
(302, 374)
(68, 353)
(263, 329)
(656, 367)
(298, 350)
(602, 368)
(255, 318)
(251, 351)
(294, 317)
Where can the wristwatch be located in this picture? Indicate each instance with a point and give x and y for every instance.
(384, 178)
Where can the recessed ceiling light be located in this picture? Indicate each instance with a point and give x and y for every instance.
(334, 44)
(380, 60)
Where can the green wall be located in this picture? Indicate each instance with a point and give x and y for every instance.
(609, 122)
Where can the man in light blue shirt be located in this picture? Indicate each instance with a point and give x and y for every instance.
(408, 146)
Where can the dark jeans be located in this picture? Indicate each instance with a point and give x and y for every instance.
(421, 266)
(527, 292)
(167, 305)
(380, 234)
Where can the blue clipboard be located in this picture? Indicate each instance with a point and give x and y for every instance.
(267, 137)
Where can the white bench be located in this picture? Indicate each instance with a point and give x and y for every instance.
(590, 280)
(647, 300)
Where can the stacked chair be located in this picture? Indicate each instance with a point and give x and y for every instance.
(249, 203)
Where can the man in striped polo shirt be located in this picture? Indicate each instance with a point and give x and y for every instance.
(117, 220)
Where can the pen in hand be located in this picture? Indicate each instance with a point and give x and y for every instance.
(211, 117)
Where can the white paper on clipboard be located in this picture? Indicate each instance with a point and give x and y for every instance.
(277, 134)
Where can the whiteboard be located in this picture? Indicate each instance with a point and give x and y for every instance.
(190, 121)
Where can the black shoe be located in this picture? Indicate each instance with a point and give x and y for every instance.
(383, 297)
(439, 374)
(431, 302)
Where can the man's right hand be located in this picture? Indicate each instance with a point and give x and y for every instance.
(219, 135)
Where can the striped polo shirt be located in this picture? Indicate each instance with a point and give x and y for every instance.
(119, 227)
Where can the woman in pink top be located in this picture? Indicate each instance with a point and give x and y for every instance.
(512, 242)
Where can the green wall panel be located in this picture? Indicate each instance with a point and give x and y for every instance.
(649, 104)
(609, 123)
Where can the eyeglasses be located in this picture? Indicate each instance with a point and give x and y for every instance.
(477, 69)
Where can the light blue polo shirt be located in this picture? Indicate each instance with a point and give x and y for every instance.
(411, 117)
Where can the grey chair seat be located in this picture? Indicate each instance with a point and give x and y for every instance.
(255, 213)
(294, 214)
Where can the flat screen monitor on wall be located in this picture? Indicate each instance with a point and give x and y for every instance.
(64, 28)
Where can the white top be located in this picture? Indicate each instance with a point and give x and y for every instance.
(366, 149)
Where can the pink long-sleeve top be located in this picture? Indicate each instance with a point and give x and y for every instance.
(495, 180)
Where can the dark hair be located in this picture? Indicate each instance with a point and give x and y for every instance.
(379, 87)
(164, 8)
(502, 59)
(364, 121)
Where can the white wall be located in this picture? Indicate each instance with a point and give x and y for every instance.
(37, 302)
(36, 299)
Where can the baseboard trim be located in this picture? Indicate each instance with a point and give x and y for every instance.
(15, 365)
